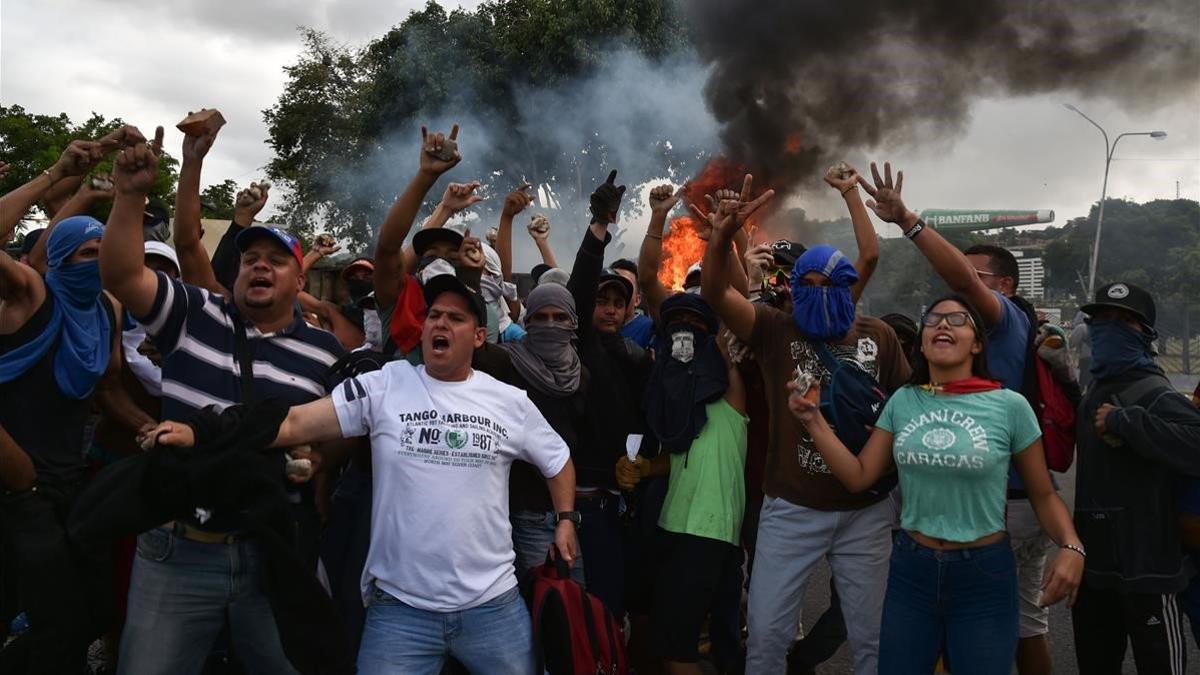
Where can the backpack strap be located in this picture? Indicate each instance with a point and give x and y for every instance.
(1138, 390)
(828, 360)
(244, 353)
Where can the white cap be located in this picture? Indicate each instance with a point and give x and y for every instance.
(162, 250)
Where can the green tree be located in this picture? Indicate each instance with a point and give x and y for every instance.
(341, 106)
(216, 201)
(32, 143)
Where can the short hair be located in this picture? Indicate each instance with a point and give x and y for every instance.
(1003, 262)
(625, 264)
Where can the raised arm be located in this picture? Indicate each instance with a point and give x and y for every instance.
(389, 268)
(455, 199)
(516, 201)
(663, 198)
(122, 257)
(844, 179)
(732, 306)
(539, 229)
(949, 262)
(226, 260)
(589, 261)
(83, 200)
(76, 160)
(195, 266)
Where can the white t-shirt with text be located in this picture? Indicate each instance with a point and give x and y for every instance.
(441, 453)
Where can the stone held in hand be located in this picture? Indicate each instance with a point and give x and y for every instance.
(200, 122)
(841, 170)
(447, 152)
(540, 224)
(806, 384)
(325, 240)
(102, 183)
(474, 254)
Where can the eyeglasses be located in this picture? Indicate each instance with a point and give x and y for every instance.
(955, 319)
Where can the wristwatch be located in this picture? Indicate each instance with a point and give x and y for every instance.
(572, 516)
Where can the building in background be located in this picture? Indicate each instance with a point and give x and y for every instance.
(1030, 284)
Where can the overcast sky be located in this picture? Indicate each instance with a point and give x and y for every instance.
(150, 62)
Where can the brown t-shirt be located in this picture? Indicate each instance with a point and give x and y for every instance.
(795, 470)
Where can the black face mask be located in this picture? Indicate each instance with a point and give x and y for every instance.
(359, 288)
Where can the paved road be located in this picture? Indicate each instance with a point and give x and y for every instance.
(1062, 641)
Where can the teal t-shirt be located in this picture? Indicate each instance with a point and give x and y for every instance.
(953, 455)
(706, 493)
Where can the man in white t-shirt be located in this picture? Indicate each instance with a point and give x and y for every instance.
(439, 576)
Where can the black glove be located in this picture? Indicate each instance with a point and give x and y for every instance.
(606, 200)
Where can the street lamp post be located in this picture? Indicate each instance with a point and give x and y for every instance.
(1108, 155)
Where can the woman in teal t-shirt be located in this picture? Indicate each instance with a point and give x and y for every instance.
(952, 433)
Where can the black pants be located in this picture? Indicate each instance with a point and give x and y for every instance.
(66, 598)
(1104, 620)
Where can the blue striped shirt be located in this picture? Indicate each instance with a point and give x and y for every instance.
(193, 330)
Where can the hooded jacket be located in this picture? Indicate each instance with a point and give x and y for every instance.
(1125, 501)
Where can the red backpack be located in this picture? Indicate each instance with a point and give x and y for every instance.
(573, 632)
(1056, 415)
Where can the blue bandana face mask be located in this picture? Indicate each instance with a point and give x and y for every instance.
(822, 312)
(1118, 347)
(78, 283)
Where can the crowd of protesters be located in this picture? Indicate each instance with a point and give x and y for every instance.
(210, 470)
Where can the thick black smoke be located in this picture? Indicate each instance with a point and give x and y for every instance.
(795, 84)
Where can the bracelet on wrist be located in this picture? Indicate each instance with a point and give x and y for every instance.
(913, 231)
(654, 236)
(852, 187)
(1077, 549)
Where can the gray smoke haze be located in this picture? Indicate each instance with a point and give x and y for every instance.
(847, 76)
(645, 118)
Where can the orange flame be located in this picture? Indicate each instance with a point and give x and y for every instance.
(794, 143)
(682, 247)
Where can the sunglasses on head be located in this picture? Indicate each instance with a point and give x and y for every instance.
(955, 319)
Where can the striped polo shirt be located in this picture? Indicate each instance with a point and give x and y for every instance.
(193, 330)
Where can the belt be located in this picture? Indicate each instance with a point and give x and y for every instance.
(191, 533)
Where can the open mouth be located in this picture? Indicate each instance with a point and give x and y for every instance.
(943, 339)
(441, 344)
(260, 282)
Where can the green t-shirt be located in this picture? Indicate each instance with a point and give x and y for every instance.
(953, 455)
(706, 494)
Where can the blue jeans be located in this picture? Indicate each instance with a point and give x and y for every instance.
(180, 596)
(533, 533)
(964, 600)
(399, 639)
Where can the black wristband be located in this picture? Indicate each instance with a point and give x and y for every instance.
(915, 229)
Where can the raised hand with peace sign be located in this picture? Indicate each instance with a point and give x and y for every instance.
(439, 153)
(606, 200)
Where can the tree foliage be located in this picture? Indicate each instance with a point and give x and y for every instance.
(32, 143)
(342, 108)
(216, 200)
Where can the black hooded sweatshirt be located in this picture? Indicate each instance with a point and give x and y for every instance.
(1126, 509)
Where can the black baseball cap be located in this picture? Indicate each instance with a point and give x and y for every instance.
(1120, 295)
(31, 238)
(787, 252)
(537, 271)
(449, 283)
(428, 237)
(608, 276)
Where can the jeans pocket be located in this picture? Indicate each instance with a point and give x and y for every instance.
(155, 545)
